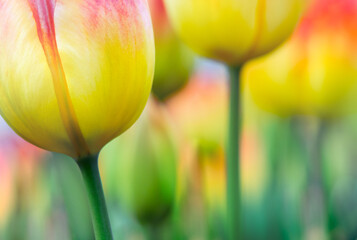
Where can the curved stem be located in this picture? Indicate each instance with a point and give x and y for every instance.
(100, 219)
(232, 163)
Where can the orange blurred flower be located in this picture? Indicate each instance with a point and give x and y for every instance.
(315, 72)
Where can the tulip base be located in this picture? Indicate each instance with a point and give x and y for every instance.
(100, 219)
(232, 162)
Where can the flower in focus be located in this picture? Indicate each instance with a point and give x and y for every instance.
(74, 73)
(234, 31)
(146, 159)
(316, 69)
(174, 60)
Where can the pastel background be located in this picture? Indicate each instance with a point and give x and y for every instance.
(165, 177)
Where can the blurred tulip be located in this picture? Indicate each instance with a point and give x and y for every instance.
(145, 174)
(174, 61)
(253, 174)
(312, 74)
(200, 109)
(21, 162)
(234, 31)
(200, 112)
(74, 74)
(6, 191)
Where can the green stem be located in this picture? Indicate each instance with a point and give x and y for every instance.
(100, 219)
(316, 189)
(277, 142)
(153, 232)
(310, 140)
(232, 164)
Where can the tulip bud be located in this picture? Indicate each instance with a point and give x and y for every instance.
(145, 174)
(174, 60)
(234, 31)
(315, 71)
(74, 74)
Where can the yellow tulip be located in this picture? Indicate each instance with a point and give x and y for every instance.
(315, 72)
(234, 31)
(74, 74)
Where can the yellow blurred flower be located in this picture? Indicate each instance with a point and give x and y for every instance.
(315, 71)
(174, 61)
(74, 74)
(234, 31)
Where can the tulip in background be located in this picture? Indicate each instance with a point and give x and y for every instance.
(316, 78)
(144, 181)
(174, 61)
(7, 193)
(234, 32)
(29, 188)
(200, 112)
(74, 75)
(317, 71)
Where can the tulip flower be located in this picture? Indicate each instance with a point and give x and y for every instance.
(317, 67)
(74, 75)
(234, 32)
(199, 111)
(174, 60)
(316, 76)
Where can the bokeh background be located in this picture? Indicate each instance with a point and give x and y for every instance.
(165, 177)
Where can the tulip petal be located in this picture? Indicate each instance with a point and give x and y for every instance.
(218, 29)
(234, 31)
(99, 53)
(43, 12)
(107, 51)
(277, 24)
(27, 97)
(317, 67)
